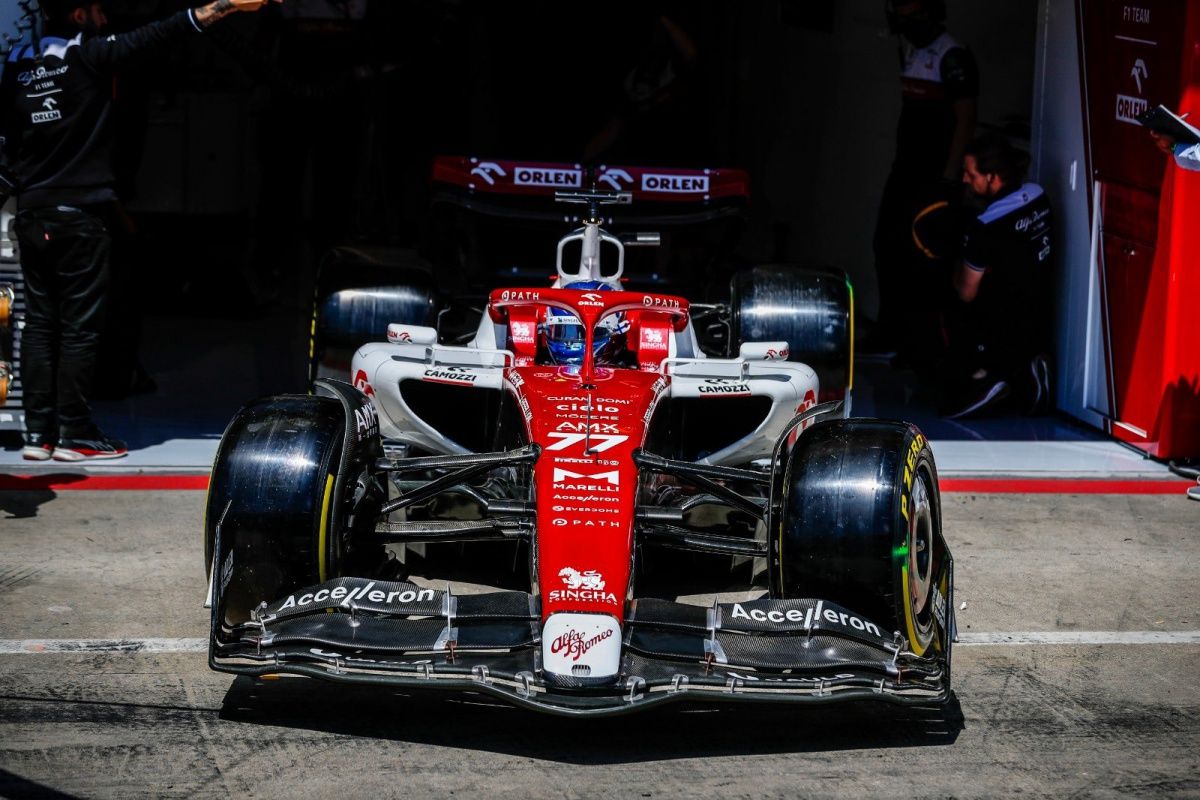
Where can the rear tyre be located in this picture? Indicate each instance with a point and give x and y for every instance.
(809, 309)
(360, 291)
(860, 524)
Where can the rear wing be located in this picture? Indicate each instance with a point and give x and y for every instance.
(525, 189)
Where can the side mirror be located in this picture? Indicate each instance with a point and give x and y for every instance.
(763, 351)
(398, 333)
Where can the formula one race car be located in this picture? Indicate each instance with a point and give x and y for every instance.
(580, 512)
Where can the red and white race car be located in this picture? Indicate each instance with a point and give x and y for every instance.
(580, 511)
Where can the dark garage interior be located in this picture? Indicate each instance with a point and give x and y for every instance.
(248, 154)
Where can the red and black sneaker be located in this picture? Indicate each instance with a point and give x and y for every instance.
(91, 448)
(38, 446)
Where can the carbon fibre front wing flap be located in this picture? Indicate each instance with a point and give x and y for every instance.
(401, 634)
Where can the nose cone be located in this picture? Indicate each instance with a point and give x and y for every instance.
(581, 649)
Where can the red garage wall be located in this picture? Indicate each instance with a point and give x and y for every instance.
(1139, 55)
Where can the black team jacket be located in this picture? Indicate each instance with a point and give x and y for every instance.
(56, 113)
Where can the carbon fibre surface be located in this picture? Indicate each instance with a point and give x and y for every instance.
(390, 635)
(748, 651)
(401, 599)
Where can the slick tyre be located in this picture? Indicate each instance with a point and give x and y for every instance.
(859, 523)
(293, 498)
(359, 292)
(271, 502)
(810, 309)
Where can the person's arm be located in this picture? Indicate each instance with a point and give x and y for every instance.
(967, 279)
(960, 77)
(680, 40)
(219, 9)
(1187, 156)
(968, 274)
(1164, 142)
(104, 52)
(964, 129)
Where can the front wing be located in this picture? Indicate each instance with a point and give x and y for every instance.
(400, 634)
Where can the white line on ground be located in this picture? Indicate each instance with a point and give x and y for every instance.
(1080, 637)
(1015, 638)
(37, 646)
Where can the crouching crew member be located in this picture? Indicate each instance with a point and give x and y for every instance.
(1000, 329)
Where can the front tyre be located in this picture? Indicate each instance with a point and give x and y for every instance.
(270, 502)
(859, 524)
(292, 500)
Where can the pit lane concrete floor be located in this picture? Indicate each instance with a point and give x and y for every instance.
(1066, 718)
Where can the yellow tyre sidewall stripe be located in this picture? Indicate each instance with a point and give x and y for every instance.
(323, 533)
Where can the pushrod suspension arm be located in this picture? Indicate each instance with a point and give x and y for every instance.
(469, 467)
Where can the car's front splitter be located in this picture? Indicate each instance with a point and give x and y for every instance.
(398, 634)
(643, 684)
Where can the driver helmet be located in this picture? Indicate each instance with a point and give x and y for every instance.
(563, 332)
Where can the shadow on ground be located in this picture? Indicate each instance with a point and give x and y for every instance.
(479, 723)
(22, 495)
(15, 786)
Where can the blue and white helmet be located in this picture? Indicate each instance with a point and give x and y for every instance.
(564, 334)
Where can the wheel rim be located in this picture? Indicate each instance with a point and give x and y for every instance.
(921, 561)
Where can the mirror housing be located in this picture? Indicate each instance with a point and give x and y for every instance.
(763, 351)
(399, 333)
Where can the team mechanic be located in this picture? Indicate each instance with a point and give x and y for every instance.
(939, 82)
(1000, 332)
(57, 122)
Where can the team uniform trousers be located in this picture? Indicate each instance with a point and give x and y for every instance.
(65, 260)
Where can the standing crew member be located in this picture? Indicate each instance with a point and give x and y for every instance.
(57, 121)
(939, 81)
(1000, 331)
